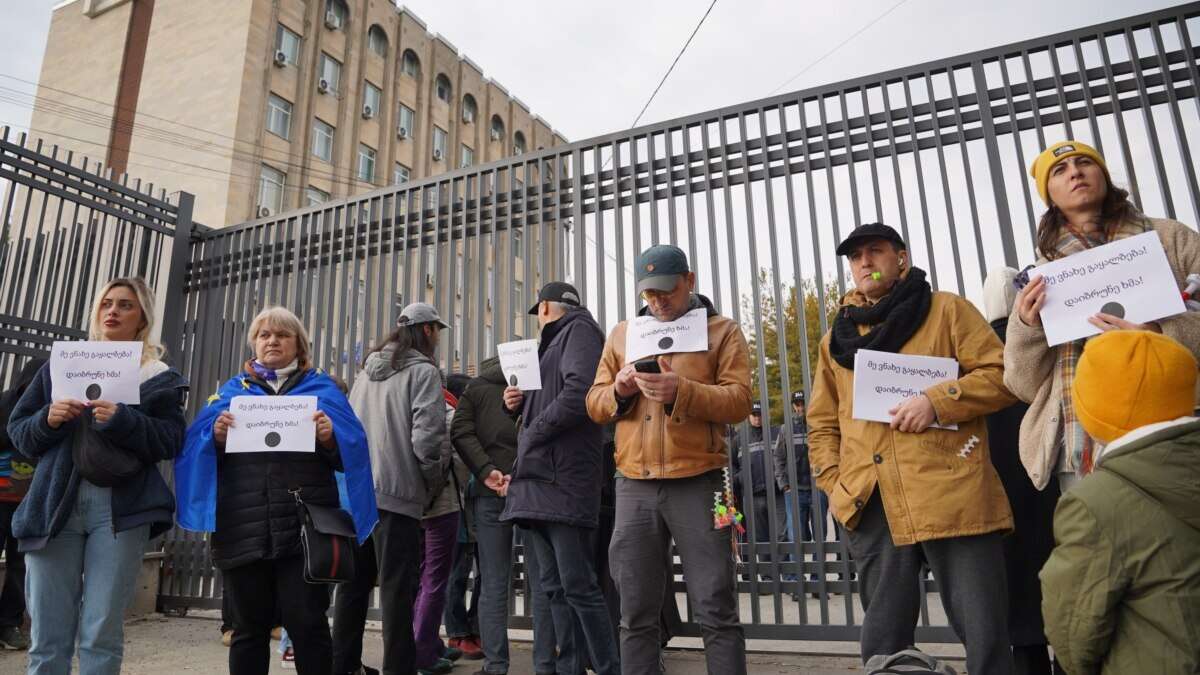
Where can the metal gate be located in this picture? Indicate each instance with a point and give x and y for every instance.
(758, 194)
(66, 227)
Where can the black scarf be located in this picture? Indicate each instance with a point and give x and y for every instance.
(894, 319)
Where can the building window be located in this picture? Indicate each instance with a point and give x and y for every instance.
(491, 287)
(458, 329)
(270, 189)
(377, 41)
(336, 14)
(410, 64)
(408, 119)
(400, 174)
(313, 196)
(443, 88)
(518, 143)
(439, 144)
(459, 279)
(469, 109)
(371, 98)
(366, 163)
(322, 141)
(279, 117)
(466, 157)
(487, 341)
(518, 247)
(330, 73)
(287, 43)
(497, 128)
(518, 301)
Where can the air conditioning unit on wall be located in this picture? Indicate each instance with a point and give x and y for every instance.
(332, 22)
(437, 155)
(402, 133)
(323, 86)
(368, 113)
(280, 58)
(264, 212)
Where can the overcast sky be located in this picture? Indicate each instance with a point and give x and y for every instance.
(588, 67)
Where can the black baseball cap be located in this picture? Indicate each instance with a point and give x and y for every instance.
(556, 291)
(658, 266)
(870, 231)
(798, 397)
(756, 408)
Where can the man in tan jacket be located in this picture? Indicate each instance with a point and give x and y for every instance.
(671, 453)
(909, 493)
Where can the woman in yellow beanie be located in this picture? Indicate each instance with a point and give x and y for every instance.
(1084, 209)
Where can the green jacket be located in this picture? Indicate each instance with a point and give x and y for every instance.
(1121, 591)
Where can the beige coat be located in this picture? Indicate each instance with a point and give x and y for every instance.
(936, 484)
(1030, 365)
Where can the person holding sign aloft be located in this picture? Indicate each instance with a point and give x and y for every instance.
(919, 489)
(277, 439)
(1084, 210)
(97, 496)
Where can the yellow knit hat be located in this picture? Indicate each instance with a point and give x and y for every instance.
(1130, 378)
(1055, 154)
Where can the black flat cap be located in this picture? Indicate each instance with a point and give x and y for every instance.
(870, 231)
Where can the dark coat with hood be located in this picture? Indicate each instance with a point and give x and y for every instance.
(483, 433)
(152, 430)
(559, 469)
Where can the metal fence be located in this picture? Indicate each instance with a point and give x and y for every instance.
(758, 194)
(67, 226)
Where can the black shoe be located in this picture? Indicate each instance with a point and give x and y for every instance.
(13, 639)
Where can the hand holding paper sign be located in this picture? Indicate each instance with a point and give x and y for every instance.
(514, 398)
(64, 411)
(103, 411)
(1128, 281)
(324, 428)
(914, 415)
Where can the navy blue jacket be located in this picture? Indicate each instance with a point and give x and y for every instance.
(153, 430)
(559, 470)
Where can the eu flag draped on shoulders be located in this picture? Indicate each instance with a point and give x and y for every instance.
(196, 466)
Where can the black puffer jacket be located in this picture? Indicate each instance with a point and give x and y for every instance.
(256, 515)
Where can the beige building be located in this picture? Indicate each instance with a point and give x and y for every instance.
(264, 106)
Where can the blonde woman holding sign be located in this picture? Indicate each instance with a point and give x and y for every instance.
(1085, 210)
(84, 530)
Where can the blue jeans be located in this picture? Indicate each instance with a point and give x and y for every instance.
(494, 546)
(79, 585)
(564, 554)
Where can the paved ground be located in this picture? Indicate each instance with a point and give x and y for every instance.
(159, 645)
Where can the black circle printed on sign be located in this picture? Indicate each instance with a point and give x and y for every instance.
(666, 343)
(512, 380)
(272, 439)
(92, 392)
(1114, 309)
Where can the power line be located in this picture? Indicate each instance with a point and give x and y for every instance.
(841, 44)
(673, 64)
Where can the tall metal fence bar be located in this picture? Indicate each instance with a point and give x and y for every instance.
(758, 194)
(66, 228)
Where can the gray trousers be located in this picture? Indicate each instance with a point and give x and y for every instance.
(970, 576)
(649, 514)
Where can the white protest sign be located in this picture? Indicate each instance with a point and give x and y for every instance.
(883, 380)
(272, 424)
(1129, 279)
(647, 336)
(96, 371)
(519, 361)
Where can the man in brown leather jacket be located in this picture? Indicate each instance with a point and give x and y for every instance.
(671, 460)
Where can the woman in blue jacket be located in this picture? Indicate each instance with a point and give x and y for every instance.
(83, 531)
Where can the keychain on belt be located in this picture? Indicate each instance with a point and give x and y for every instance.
(725, 513)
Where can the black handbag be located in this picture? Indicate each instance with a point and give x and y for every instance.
(100, 461)
(328, 538)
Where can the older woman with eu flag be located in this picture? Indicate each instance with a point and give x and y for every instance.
(247, 499)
